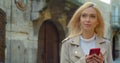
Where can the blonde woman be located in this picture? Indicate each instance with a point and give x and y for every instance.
(86, 32)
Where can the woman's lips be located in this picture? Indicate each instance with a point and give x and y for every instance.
(87, 25)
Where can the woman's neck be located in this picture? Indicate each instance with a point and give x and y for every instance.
(87, 35)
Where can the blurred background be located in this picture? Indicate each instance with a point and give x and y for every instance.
(31, 31)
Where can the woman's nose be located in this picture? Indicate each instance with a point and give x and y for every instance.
(88, 19)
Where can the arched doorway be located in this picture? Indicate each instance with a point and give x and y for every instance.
(116, 50)
(2, 35)
(113, 47)
(48, 43)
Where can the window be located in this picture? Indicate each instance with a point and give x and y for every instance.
(21, 4)
(115, 15)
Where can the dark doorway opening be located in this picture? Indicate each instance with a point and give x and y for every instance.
(2, 35)
(48, 43)
(115, 48)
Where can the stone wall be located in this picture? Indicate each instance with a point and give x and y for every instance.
(22, 32)
(20, 44)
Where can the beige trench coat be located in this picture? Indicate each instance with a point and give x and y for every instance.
(71, 51)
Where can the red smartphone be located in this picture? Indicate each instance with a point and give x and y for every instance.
(94, 51)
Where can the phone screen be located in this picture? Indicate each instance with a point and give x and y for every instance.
(94, 51)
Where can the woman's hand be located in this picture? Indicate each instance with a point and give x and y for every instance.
(95, 58)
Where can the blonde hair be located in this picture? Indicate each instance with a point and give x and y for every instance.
(74, 25)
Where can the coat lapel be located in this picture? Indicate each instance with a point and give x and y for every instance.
(100, 43)
(78, 52)
(77, 48)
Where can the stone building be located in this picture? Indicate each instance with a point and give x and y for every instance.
(34, 29)
(115, 23)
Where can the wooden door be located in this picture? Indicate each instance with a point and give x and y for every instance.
(2, 35)
(48, 44)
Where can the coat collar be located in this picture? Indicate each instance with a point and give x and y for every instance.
(76, 40)
(99, 42)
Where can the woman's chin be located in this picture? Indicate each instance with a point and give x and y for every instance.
(87, 29)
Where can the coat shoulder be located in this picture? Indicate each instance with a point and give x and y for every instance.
(65, 40)
(107, 40)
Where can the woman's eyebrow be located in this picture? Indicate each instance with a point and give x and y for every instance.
(83, 13)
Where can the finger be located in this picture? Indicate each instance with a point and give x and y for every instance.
(98, 59)
(89, 56)
(101, 57)
(100, 54)
(94, 61)
(89, 61)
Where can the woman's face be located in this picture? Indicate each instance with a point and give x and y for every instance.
(88, 19)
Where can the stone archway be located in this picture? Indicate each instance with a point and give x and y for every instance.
(48, 43)
(115, 47)
(2, 35)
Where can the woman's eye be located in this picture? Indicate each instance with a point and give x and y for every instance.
(92, 16)
(83, 15)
